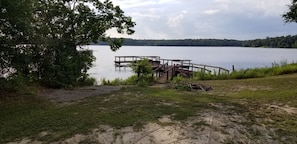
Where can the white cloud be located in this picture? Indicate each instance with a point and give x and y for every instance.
(175, 21)
(145, 15)
(254, 8)
(125, 4)
(184, 11)
(211, 12)
(243, 19)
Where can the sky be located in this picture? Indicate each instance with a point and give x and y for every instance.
(203, 19)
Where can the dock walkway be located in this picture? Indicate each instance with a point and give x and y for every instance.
(166, 69)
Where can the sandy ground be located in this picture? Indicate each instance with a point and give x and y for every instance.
(208, 127)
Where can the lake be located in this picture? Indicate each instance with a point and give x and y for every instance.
(225, 57)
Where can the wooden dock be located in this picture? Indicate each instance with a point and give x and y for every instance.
(166, 69)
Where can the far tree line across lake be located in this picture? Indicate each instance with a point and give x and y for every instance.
(272, 42)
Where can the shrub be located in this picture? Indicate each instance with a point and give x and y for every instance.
(143, 69)
(14, 83)
(178, 78)
(88, 82)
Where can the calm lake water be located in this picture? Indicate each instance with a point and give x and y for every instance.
(217, 56)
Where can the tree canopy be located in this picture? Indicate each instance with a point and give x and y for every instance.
(42, 39)
(291, 15)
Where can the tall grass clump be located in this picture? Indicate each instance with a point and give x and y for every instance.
(203, 76)
(178, 79)
(276, 69)
(114, 82)
(210, 76)
(132, 80)
(284, 69)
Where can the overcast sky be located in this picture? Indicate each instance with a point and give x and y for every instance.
(221, 19)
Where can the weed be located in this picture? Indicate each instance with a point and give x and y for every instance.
(276, 69)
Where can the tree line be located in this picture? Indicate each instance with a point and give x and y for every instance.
(185, 42)
(41, 40)
(274, 42)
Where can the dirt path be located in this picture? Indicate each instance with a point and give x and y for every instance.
(62, 95)
(208, 127)
(211, 128)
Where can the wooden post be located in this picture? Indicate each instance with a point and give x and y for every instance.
(193, 70)
(204, 68)
(167, 75)
(233, 68)
(172, 72)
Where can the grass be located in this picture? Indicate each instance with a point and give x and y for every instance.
(142, 81)
(28, 115)
(276, 69)
(129, 107)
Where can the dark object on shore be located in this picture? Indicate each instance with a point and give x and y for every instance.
(189, 86)
(200, 87)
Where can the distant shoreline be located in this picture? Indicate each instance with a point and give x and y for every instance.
(274, 42)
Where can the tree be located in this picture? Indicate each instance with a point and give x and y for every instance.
(43, 39)
(63, 26)
(291, 15)
(15, 29)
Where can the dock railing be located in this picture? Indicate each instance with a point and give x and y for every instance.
(125, 61)
(207, 68)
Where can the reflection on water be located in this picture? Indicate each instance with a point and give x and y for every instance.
(217, 56)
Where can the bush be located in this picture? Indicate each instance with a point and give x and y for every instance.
(178, 78)
(88, 82)
(143, 69)
(14, 83)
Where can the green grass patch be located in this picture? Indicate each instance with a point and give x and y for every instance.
(129, 81)
(142, 81)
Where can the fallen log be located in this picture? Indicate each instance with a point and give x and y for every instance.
(200, 87)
